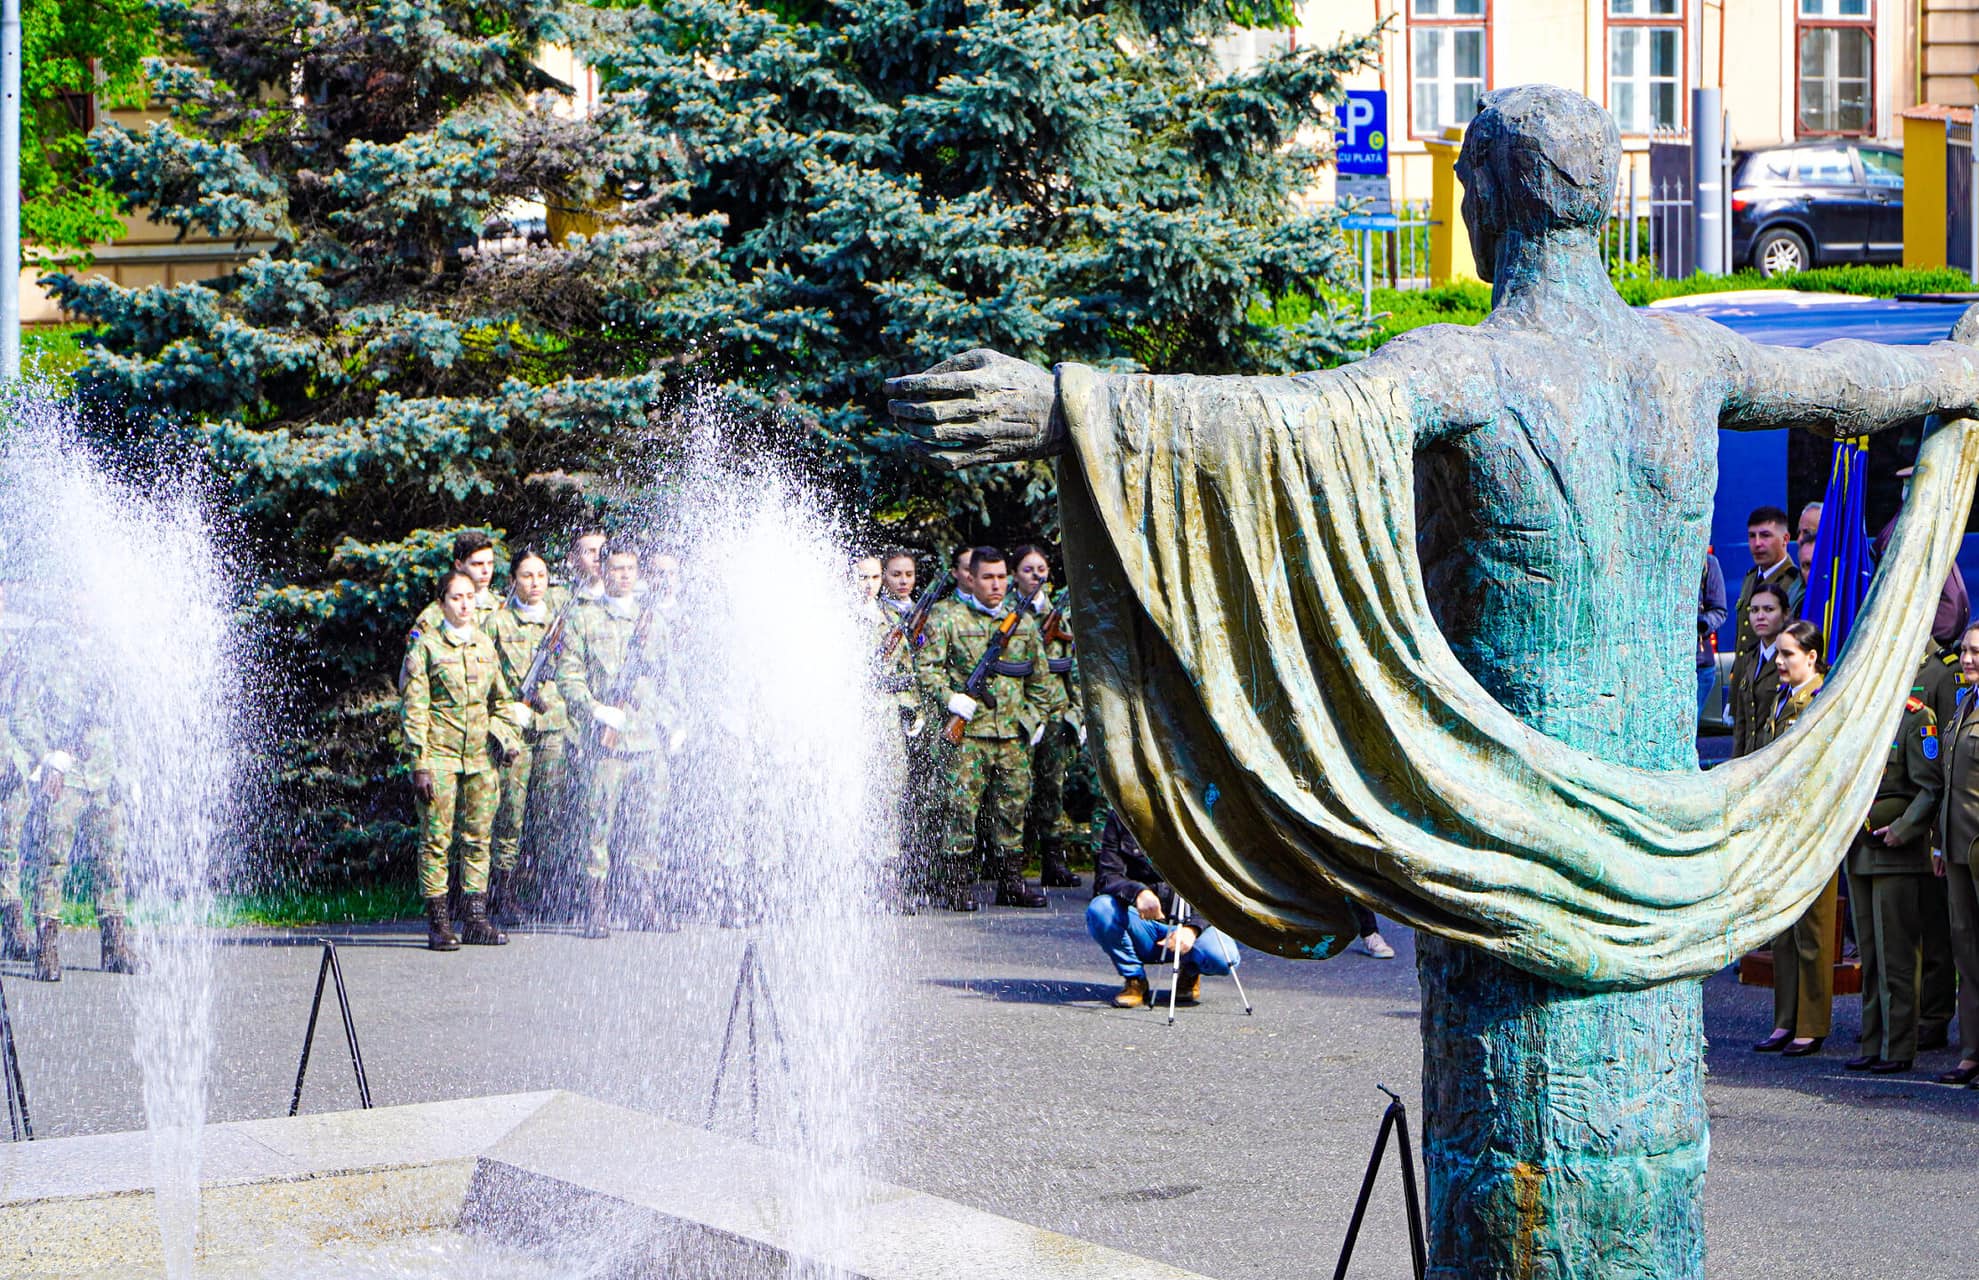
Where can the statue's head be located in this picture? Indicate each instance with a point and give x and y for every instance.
(1537, 158)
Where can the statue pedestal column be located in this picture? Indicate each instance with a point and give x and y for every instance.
(1564, 1132)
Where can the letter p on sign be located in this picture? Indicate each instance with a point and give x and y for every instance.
(1361, 144)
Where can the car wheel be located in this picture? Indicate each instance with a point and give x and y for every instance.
(1780, 252)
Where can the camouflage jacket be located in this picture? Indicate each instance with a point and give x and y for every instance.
(456, 697)
(516, 640)
(61, 705)
(597, 648)
(1061, 655)
(1018, 697)
(428, 623)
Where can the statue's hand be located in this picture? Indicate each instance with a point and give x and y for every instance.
(980, 407)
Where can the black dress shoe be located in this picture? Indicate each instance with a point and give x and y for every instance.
(1866, 1062)
(1807, 1050)
(1774, 1043)
(1891, 1067)
(1959, 1075)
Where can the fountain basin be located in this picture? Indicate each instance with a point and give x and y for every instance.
(536, 1184)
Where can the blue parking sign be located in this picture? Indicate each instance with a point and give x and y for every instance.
(1360, 145)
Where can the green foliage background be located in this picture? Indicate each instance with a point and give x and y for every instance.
(71, 49)
(460, 304)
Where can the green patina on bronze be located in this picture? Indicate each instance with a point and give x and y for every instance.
(1424, 625)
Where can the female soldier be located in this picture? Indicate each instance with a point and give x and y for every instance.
(1047, 831)
(1959, 833)
(532, 781)
(1803, 956)
(1754, 682)
(455, 698)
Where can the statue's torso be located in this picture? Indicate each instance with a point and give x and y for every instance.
(1562, 542)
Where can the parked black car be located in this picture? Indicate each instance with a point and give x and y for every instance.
(1810, 204)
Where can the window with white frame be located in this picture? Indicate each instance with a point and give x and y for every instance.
(1645, 64)
(1837, 49)
(1448, 53)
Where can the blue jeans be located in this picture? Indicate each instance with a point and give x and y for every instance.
(1132, 943)
(1706, 677)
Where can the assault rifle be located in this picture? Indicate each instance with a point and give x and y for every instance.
(546, 648)
(1053, 626)
(913, 622)
(979, 678)
(635, 666)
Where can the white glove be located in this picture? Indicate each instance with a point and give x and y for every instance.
(1079, 729)
(521, 715)
(1037, 735)
(59, 761)
(961, 704)
(610, 717)
(1042, 602)
(676, 740)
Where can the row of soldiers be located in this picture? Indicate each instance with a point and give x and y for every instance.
(551, 709)
(64, 786)
(983, 681)
(1906, 877)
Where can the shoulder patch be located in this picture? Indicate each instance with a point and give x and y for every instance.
(1913, 705)
(1930, 742)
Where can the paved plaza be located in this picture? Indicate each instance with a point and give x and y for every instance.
(1230, 1146)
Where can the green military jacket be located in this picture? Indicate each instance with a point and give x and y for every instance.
(1958, 822)
(516, 641)
(1751, 689)
(428, 623)
(15, 764)
(1061, 656)
(1937, 684)
(455, 697)
(1906, 800)
(62, 705)
(893, 673)
(1018, 697)
(597, 647)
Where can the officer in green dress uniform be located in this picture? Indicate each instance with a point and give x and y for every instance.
(533, 780)
(1887, 864)
(1937, 987)
(989, 771)
(1754, 681)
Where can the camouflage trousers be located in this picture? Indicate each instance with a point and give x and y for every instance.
(13, 819)
(620, 786)
(990, 777)
(93, 820)
(532, 799)
(461, 812)
(1045, 824)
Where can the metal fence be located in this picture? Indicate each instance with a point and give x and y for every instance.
(1960, 231)
(1398, 258)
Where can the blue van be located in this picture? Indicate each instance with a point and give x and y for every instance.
(1789, 469)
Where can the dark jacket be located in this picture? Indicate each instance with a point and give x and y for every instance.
(1788, 576)
(1122, 870)
(1906, 800)
(1958, 827)
(1711, 609)
(1750, 691)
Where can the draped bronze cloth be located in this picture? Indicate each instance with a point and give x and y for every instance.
(1279, 717)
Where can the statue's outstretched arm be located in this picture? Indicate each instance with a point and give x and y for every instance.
(982, 406)
(1848, 387)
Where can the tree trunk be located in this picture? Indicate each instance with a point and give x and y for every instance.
(1564, 1131)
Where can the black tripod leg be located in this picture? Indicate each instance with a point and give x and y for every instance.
(350, 1026)
(18, 1122)
(728, 1034)
(782, 1045)
(1418, 1246)
(1367, 1192)
(309, 1035)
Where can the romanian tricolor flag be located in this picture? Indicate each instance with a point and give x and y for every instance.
(1838, 577)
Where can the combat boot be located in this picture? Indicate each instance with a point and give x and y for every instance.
(1056, 874)
(1134, 995)
(1016, 893)
(440, 935)
(117, 957)
(1189, 985)
(594, 913)
(48, 950)
(501, 900)
(475, 931)
(15, 944)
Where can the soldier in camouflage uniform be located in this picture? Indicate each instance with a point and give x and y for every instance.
(616, 692)
(14, 769)
(474, 555)
(533, 781)
(990, 771)
(62, 722)
(456, 700)
(1048, 832)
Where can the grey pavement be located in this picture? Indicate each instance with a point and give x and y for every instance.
(1229, 1146)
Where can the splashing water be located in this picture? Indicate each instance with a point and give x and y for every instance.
(118, 585)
